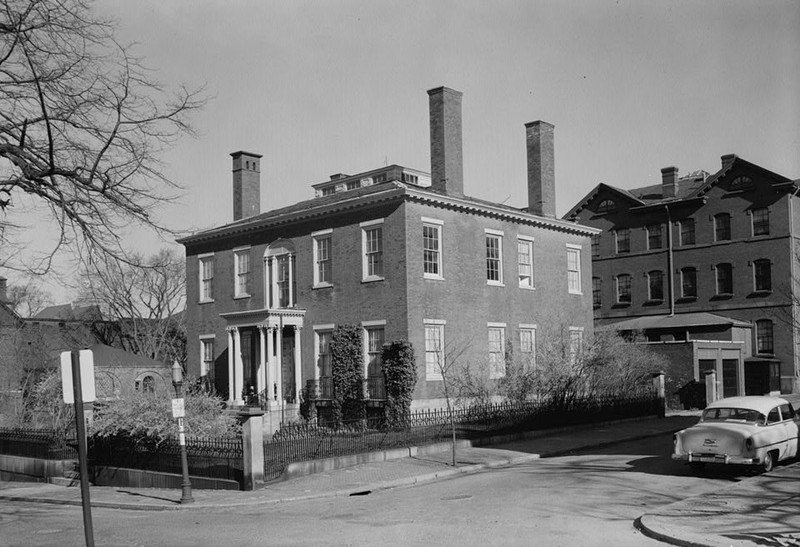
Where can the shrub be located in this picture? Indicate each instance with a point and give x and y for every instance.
(400, 377)
(347, 364)
(147, 415)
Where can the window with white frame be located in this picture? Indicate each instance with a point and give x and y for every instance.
(374, 346)
(575, 342)
(765, 342)
(623, 289)
(597, 292)
(434, 349)
(241, 268)
(206, 266)
(574, 269)
(494, 257)
(372, 245)
(324, 372)
(688, 282)
(323, 263)
(497, 350)
(654, 239)
(527, 345)
(206, 356)
(432, 248)
(623, 240)
(525, 261)
(655, 285)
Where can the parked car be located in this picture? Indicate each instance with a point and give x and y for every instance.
(752, 430)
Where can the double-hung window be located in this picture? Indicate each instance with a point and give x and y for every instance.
(527, 345)
(623, 289)
(654, 239)
(688, 282)
(764, 337)
(324, 371)
(687, 231)
(722, 227)
(434, 349)
(206, 356)
(724, 278)
(374, 338)
(525, 260)
(575, 343)
(206, 265)
(432, 248)
(762, 275)
(497, 350)
(760, 221)
(655, 285)
(494, 257)
(372, 245)
(623, 239)
(597, 294)
(574, 269)
(242, 272)
(323, 261)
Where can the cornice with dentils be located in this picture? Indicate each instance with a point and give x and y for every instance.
(396, 191)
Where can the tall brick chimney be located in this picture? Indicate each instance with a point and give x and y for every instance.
(447, 158)
(541, 169)
(246, 184)
(669, 182)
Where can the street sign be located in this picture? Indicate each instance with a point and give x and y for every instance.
(87, 376)
(177, 408)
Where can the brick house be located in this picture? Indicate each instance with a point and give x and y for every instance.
(399, 252)
(703, 257)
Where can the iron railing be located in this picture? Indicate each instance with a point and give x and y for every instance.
(316, 440)
(221, 458)
(45, 444)
(321, 389)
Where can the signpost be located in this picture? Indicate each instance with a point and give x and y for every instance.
(77, 380)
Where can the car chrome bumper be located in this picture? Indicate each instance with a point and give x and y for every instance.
(715, 458)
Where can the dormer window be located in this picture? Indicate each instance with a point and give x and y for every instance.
(379, 178)
(329, 191)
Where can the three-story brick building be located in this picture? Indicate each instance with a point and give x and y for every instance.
(399, 252)
(704, 258)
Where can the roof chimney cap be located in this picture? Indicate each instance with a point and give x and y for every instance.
(727, 159)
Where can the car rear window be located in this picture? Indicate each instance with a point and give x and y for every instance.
(733, 415)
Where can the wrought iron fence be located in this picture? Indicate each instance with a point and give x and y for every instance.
(45, 444)
(316, 440)
(221, 458)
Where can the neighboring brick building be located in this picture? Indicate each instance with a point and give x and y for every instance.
(704, 257)
(398, 252)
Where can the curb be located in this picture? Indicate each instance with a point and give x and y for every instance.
(639, 525)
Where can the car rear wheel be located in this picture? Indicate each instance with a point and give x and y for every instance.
(768, 463)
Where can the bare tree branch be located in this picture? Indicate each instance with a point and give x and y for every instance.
(83, 127)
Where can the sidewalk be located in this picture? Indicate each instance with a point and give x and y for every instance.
(770, 504)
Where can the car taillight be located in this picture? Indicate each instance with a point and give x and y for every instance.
(748, 444)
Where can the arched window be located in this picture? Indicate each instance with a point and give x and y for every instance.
(281, 286)
(606, 206)
(146, 385)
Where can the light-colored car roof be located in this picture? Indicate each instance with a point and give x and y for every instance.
(761, 403)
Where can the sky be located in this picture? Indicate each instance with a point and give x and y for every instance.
(339, 86)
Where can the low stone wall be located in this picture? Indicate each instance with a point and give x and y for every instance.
(32, 469)
(138, 478)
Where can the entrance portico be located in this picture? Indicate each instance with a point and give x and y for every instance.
(264, 357)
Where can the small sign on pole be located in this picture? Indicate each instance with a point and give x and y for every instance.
(86, 358)
(178, 410)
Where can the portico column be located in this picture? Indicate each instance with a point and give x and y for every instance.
(262, 361)
(270, 368)
(298, 373)
(231, 349)
(291, 280)
(238, 366)
(279, 363)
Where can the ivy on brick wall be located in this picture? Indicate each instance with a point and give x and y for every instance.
(347, 364)
(400, 374)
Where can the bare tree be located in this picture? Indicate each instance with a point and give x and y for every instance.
(144, 298)
(83, 126)
(29, 299)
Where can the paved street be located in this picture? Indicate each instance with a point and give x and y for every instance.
(587, 498)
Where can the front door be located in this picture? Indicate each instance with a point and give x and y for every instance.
(287, 367)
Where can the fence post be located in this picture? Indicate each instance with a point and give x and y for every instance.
(658, 386)
(711, 386)
(253, 448)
